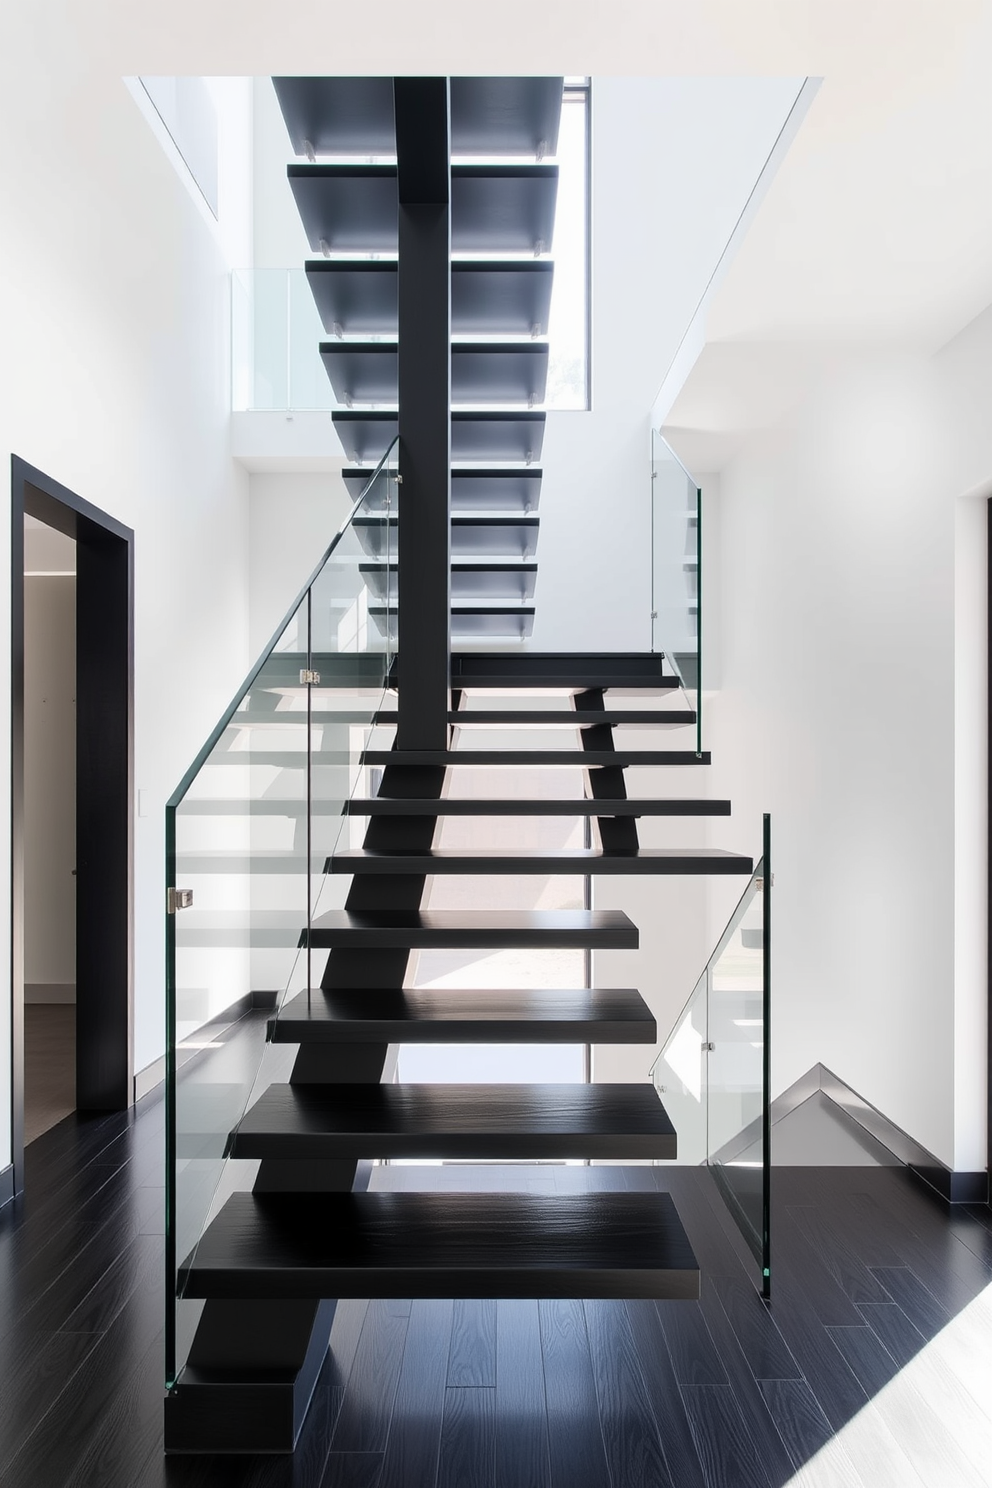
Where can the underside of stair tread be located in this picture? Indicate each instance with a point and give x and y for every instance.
(515, 490)
(507, 806)
(603, 1015)
(639, 860)
(452, 929)
(444, 1245)
(500, 297)
(485, 1122)
(354, 208)
(481, 372)
(583, 758)
(355, 115)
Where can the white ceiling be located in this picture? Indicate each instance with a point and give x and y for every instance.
(875, 234)
(877, 229)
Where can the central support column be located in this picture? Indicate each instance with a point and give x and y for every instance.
(424, 633)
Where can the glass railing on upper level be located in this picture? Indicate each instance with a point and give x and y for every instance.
(713, 1074)
(276, 366)
(248, 832)
(676, 571)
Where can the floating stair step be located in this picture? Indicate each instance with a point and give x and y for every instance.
(450, 929)
(338, 115)
(492, 580)
(507, 806)
(359, 297)
(516, 436)
(471, 535)
(602, 1015)
(296, 807)
(479, 490)
(576, 671)
(593, 861)
(354, 115)
(368, 371)
(509, 622)
(584, 759)
(353, 208)
(568, 717)
(505, 115)
(443, 1245)
(481, 1122)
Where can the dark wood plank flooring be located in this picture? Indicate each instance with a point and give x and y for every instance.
(872, 1367)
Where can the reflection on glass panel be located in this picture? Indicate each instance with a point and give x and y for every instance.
(736, 1065)
(680, 1074)
(713, 1073)
(275, 343)
(248, 833)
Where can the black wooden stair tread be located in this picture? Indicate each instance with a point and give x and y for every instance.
(472, 535)
(354, 115)
(479, 489)
(602, 1015)
(583, 758)
(452, 929)
(494, 208)
(566, 717)
(443, 1245)
(640, 671)
(593, 861)
(507, 806)
(492, 579)
(502, 297)
(474, 1121)
(484, 435)
(492, 618)
(481, 372)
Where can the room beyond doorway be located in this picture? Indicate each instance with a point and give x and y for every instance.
(49, 826)
(102, 845)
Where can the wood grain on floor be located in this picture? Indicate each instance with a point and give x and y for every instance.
(872, 1367)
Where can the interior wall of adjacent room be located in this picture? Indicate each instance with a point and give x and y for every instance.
(115, 381)
(50, 784)
(846, 654)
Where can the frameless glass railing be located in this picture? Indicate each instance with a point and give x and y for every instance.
(248, 833)
(676, 571)
(276, 333)
(713, 1074)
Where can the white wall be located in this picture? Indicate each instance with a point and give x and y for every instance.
(114, 379)
(852, 706)
(50, 785)
(293, 519)
(673, 163)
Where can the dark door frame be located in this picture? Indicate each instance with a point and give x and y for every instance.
(104, 795)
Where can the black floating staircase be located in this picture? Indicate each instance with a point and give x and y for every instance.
(311, 1229)
(271, 1263)
(500, 307)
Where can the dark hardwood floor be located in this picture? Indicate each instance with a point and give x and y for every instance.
(871, 1369)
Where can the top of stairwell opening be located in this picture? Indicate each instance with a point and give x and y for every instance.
(276, 326)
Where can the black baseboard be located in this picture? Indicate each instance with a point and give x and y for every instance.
(6, 1184)
(956, 1188)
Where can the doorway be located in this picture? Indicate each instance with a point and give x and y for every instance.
(99, 1021)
